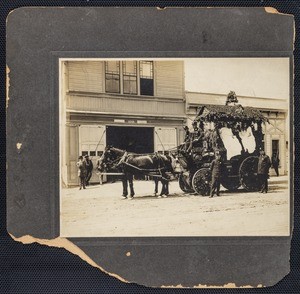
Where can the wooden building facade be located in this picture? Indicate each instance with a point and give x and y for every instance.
(137, 105)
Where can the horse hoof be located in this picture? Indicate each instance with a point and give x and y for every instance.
(159, 196)
(131, 198)
(165, 196)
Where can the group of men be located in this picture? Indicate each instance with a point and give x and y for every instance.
(85, 170)
(263, 166)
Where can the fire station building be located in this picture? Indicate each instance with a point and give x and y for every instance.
(134, 105)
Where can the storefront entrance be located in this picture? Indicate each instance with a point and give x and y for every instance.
(132, 139)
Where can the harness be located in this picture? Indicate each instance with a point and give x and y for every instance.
(124, 161)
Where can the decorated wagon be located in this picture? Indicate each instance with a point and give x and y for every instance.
(234, 132)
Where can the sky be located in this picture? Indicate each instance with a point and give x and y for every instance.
(254, 77)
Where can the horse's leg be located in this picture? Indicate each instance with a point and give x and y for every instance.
(130, 178)
(164, 189)
(125, 187)
(167, 188)
(156, 186)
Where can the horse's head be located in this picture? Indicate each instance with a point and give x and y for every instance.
(109, 158)
(105, 159)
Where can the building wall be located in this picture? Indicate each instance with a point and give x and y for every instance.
(87, 76)
(169, 80)
(88, 106)
(276, 130)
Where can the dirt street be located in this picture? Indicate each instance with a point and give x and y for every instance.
(100, 211)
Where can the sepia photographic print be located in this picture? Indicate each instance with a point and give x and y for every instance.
(154, 144)
(174, 147)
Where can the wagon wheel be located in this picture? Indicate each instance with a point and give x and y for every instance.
(248, 174)
(183, 184)
(231, 183)
(201, 181)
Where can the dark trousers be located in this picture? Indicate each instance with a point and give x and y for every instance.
(88, 177)
(82, 182)
(215, 186)
(263, 180)
(276, 169)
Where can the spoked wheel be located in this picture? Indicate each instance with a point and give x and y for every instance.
(230, 183)
(248, 174)
(201, 181)
(183, 184)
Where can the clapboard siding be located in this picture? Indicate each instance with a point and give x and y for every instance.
(86, 76)
(169, 79)
(126, 105)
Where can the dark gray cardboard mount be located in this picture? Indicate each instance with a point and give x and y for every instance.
(37, 38)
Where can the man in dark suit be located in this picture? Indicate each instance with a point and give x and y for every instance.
(216, 172)
(89, 169)
(275, 163)
(264, 164)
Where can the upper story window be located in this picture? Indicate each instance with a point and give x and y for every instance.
(146, 78)
(112, 76)
(129, 77)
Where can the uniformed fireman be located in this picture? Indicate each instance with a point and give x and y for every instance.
(264, 164)
(216, 171)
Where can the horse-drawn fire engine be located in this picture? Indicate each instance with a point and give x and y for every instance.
(233, 131)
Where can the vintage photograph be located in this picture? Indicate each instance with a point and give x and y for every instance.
(174, 147)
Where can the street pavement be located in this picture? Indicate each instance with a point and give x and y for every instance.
(100, 211)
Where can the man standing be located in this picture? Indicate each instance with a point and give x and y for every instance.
(89, 169)
(264, 164)
(81, 164)
(216, 169)
(275, 163)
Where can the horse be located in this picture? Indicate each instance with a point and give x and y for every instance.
(136, 164)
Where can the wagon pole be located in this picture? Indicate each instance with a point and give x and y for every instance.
(100, 140)
(160, 141)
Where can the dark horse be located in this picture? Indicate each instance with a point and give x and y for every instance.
(155, 165)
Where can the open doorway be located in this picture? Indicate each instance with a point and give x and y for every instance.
(132, 139)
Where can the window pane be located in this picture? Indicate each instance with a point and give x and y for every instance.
(146, 69)
(146, 87)
(99, 153)
(112, 67)
(112, 83)
(129, 84)
(275, 147)
(92, 153)
(129, 68)
(83, 153)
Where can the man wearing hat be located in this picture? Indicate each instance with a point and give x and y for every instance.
(264, 164)
(89, 169)
(216, 170)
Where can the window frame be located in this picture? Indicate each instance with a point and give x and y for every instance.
(113, 74)
(121, 77)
